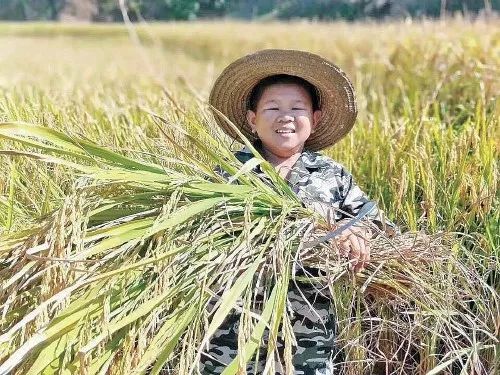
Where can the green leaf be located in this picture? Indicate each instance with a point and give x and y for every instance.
(229, 298)
(256, 335)
(184, 214)
(168, 338)
(69, 146)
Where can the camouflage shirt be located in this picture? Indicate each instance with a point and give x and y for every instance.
(325, 186)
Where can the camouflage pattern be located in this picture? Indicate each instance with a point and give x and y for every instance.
(325, 186)
(314, 330)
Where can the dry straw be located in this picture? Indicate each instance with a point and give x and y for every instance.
(143, 248)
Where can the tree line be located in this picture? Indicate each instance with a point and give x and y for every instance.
(109, 10)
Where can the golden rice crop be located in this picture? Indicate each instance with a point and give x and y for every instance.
(115, 231)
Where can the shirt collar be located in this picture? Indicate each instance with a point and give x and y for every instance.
(308, 161)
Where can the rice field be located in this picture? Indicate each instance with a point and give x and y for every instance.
(425, 146)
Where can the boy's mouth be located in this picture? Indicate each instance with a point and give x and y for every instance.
(285, 131)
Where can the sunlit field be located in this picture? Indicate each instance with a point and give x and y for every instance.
(425, 146)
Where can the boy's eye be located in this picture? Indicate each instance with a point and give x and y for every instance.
(272, 109)
(298, 109)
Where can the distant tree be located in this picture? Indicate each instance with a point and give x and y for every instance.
(249, 9)
(79, 10)
(359, 9)
(11, 10)
(435, 8)
(108, 10)
(183, 9)
(30, 9)
(327, 9)
(55, 7)
(213, 8)
(153, 9)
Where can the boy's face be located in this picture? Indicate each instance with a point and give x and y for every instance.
(284, 119)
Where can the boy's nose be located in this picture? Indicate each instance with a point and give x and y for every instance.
(285, 118)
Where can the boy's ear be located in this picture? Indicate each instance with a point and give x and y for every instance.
(251, 119)
(316, 118)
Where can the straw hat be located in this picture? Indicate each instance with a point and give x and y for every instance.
(231, 91)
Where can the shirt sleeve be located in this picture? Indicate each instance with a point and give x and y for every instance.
(354, 199)
(243, 156)
(222, 173)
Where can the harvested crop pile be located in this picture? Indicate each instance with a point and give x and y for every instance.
(118, 279)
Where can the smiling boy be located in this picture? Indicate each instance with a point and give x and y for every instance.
(291, 104)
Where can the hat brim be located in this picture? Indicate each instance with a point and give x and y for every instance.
(231, 91)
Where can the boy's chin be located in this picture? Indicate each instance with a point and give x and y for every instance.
(285, 150)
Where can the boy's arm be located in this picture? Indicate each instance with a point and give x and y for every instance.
(354, 199)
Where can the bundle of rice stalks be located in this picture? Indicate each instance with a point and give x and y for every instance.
(118, 280)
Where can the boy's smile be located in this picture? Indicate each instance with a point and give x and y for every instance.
(284, 119)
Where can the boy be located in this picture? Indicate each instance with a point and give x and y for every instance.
(291, 104)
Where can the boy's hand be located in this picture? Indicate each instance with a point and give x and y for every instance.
(354, 243)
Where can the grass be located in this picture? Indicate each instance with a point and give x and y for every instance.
(425, 146)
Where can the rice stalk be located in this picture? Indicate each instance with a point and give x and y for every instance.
(121, 277)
